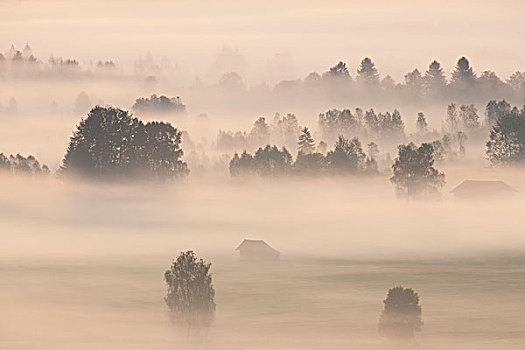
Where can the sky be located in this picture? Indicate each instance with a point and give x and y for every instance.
(311, 35)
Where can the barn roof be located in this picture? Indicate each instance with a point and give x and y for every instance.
(254, 244)
(482, 186)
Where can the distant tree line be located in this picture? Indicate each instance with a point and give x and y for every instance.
(16, 64)
(347, 157)
(111, 144)
(282, 130)
(159, 105)
(22, 165)
(429, 85)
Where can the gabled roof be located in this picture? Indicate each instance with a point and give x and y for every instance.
(483, 186)
(254, 244)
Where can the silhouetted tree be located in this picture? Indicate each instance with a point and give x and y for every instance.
(309, 164)
(401, 316)
(517, 81)
(191, 295)
(306, 142)
(111, 144)
(347, 156)
(421, 123)
(452, 121)
(339, 71)
(463, 76)
(495, 109)
(337, 122)
(242, 165)
(506, 145)
(260, 133)
(367, 73)
(468, 115)
(270, 161)
(160, 104)
(414, 172)
(435, 80)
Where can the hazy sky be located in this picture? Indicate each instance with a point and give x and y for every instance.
(398, 35)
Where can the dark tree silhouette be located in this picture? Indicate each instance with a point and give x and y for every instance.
(191, 295)
(367, 73)
(435, 80)
(309, 164)
(463, 76)
(401, 316)
(506, 145)
(111, 144)
(347, 156)
(468, 115)
(160, 104)
(306, 142)
(414, 173)
(421, 123)
(495, 109)
(452, 121)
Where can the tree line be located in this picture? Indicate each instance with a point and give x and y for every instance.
(21, 165)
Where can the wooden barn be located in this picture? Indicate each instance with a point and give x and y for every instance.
(257, 250)
(476, 189)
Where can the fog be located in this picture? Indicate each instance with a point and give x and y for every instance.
(82, 266)
(82, 260)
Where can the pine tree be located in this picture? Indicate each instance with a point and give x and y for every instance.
(367, 72)
(421, 123)
(463, 75)
(435, 80)
(306, 142)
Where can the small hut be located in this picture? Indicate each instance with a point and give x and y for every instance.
(257, 250)
(476, 189)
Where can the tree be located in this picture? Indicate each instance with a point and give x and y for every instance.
(306, 142)
(260, 133)
(435, 80)
(243, 165)
(347, 156)
(414, 172)
(414, 81)
(339, 71)
(190, 296)
(111, 144)
(20, 165)
(270, 161)
(160, 104)
(267, 162)
(162, 150)
(367, 73)
(463, 76)
(495, 109)
(452, 121)
(469, 117)
(421, 123)
(309, 164)
(401, 316)
(506, 145)
(517, 81)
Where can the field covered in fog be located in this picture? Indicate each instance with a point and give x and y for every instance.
(349, 169)
(83, 265)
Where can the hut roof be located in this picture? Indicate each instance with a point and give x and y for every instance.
(254, 244)
(482, 186)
